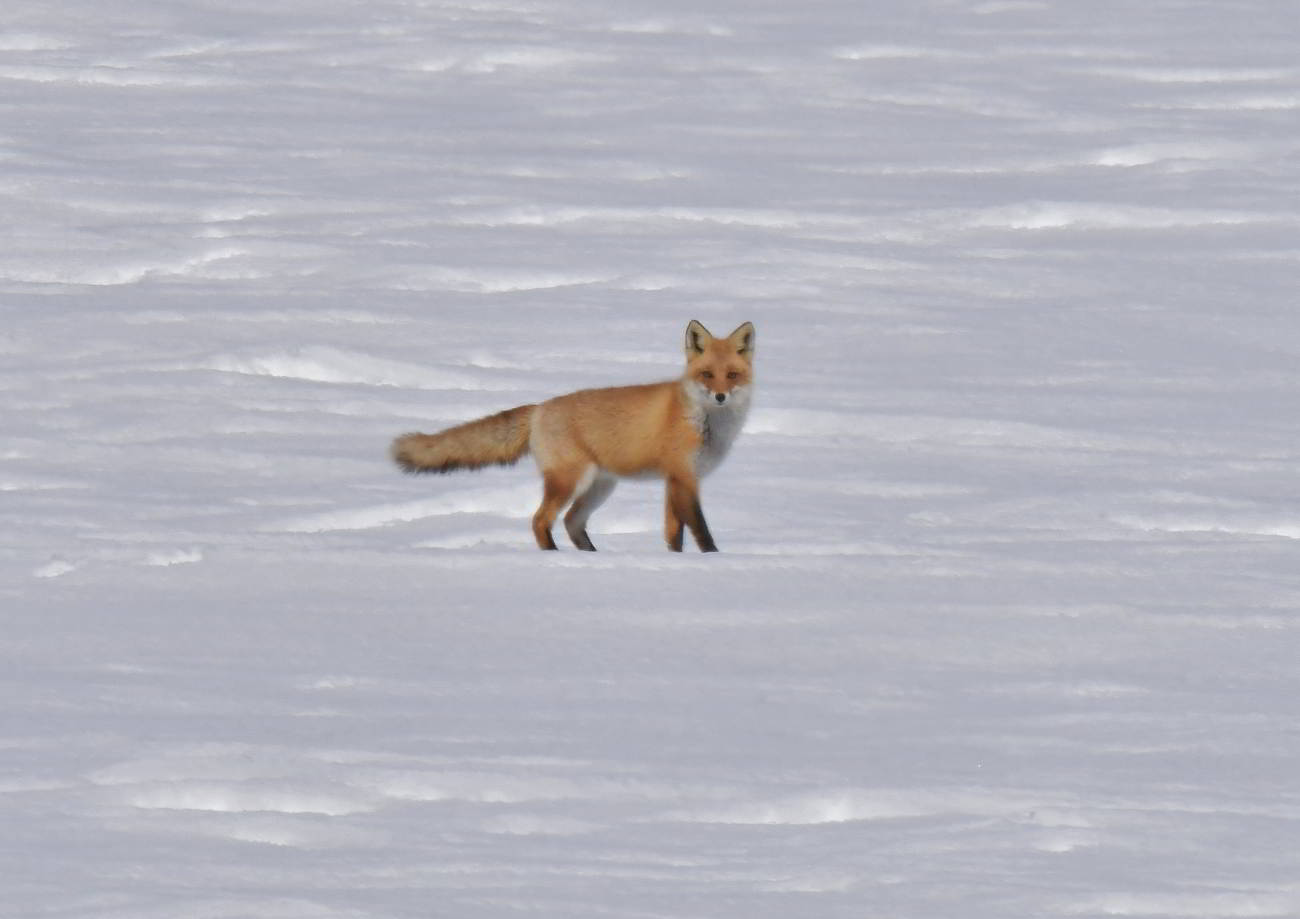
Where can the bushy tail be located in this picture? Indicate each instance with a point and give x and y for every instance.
(501, 438)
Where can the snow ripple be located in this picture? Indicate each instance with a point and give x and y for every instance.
(323, 364)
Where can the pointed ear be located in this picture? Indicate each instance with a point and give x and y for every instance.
(744, 339)
(698, 339)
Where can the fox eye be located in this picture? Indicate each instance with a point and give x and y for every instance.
(707, 374)
(732, 375)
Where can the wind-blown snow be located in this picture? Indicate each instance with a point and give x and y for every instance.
(1005, 619)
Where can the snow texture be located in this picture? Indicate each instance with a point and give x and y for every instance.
(1005, 618)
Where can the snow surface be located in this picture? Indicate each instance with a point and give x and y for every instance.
(1005, 619)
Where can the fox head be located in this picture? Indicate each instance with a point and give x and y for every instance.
(719, 370)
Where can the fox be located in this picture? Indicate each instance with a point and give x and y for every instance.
(584, 442)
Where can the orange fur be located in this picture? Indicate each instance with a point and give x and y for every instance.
(501, 439)
(676, 430)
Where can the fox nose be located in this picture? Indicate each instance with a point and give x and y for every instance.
(721, 397)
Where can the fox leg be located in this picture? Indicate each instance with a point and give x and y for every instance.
(673, 526)
(684, 502)
(558, 486)
(575, 521)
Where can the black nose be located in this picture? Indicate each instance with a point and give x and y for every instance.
(721, 397)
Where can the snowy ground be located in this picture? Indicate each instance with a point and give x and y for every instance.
(1005, 621)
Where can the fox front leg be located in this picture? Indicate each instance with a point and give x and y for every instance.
(684, 503)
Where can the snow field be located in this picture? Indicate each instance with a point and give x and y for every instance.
(1004, 621)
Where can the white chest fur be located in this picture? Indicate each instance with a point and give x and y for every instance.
(718, 425)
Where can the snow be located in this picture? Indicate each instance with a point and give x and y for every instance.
(1005, 618)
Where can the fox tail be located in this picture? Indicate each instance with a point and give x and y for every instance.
(499, 439)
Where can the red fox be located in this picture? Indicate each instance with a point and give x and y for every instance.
(584, 442)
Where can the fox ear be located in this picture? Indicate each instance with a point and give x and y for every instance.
(744, 338)
(697, 339)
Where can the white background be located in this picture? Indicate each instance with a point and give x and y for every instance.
(1005, 619)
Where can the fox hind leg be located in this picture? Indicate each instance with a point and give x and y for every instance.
(558, 486)
(590, 498)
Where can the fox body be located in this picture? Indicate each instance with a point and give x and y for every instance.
(584, 442)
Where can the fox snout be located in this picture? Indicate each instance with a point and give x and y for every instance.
(721, 397)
